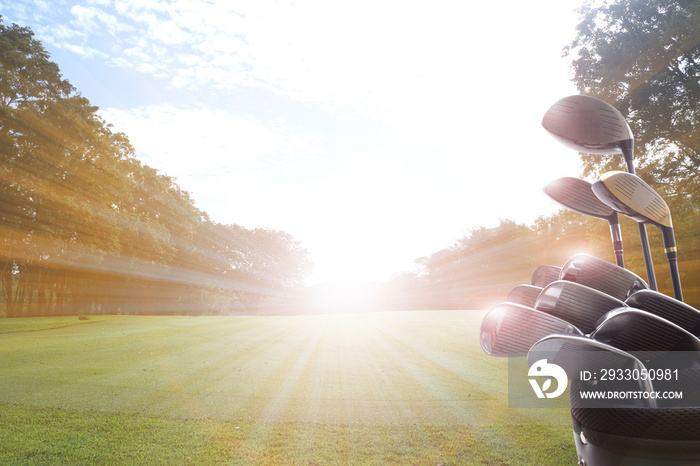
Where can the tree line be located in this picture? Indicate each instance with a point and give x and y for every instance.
(86, 228)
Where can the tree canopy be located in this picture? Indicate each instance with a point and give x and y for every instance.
(643, 56)
(85, 227)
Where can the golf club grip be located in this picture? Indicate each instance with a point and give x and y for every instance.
(648, 262)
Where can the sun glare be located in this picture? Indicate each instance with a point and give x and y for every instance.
(342, 296)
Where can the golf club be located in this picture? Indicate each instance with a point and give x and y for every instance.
(664, 435)
(679, 313)
(576, 194)
(590, 125)
(632, 329)
(577, 354)
(578, 304)
(544, 275)
(524, 294)
(602, 275)
(630, 195)
(510, 329)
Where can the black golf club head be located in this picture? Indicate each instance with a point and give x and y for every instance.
(577, 195)
(665, 435)
(579, 304)
(681, 314)
(602, 275)
(631, 329)
(524, 294)
(510, 329)
(544, 275)
(660, 344)
(577, 354)
(660, 436)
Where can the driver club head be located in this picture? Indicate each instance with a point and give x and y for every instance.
(590, 125)
(510, 329)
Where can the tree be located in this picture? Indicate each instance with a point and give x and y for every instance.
(643, 56)
(87, 228)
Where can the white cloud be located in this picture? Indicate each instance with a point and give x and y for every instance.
(91, 18)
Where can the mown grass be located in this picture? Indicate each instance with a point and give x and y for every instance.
(386, 388)
(59, 436)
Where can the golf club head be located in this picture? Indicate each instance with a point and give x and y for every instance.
(577, 354)
(587, 124)
(603, 276)
(544, 275)
(631, 329)
(681, 314)
(524, 294)
(510, 329)
(577, 195)
(578, 304)
(630, 195)
(590, 125)
(661, 436)
(668, 434)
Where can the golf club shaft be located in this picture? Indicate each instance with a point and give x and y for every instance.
(648, 262)
(616, 235)
(675, 279)
(628, 153)
(672, 257)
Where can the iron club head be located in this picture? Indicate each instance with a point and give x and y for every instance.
(524, 294)
(602, 275)
(510, 329)
(544, 275)
(579, 304)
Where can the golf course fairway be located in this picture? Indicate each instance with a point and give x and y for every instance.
(360, 388)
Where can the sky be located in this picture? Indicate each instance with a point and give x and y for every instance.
(374, 132)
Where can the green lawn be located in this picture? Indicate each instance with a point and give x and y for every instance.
(379, 388)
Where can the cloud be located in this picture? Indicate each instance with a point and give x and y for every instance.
(386, 59)
(90, 19)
